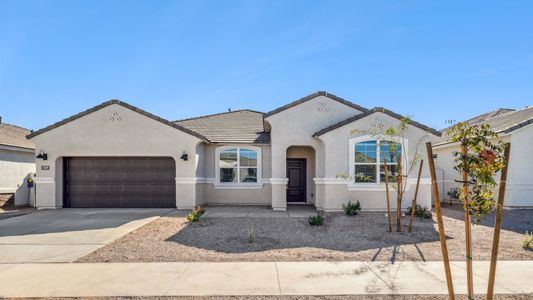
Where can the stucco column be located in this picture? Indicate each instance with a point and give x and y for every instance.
(320, 193)
(279, 193)
(186, 192)
(279, 179)
(46, 193)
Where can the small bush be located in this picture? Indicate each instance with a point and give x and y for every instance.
(316, 220)
(195, 214)
(251, 235)
(527, 242)
(454, 193)
(420, 211)
(351, 209)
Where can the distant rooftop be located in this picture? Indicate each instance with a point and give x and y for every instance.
(501, 120)
(11, 135)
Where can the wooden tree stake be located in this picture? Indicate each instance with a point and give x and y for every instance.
(468, 227)
(399, 208)
(387, 191)
(498, 222)
(440, 224)
(413, 205)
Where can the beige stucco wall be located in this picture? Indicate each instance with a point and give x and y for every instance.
(236, 195)
(520, 179)
(130, 134)
(338, 192)
(208, 165)
(15, 167)
(295, 127)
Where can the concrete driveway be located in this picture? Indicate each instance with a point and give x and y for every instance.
(64, 235)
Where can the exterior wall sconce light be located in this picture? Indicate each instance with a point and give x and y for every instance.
(184, 156)
(42, 155)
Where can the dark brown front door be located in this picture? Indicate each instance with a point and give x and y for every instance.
(121, 182)
(297, 179)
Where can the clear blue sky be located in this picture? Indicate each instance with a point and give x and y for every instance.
(433, 60)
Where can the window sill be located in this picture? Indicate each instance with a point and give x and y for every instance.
(238, 186)
(367, 187)
(373, 187)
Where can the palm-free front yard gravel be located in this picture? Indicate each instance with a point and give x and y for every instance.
(363, 237)
(308, 297)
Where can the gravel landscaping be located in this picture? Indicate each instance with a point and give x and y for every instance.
(307, 297)
(278, 238)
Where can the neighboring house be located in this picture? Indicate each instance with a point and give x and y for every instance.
(116, 155)
(514, 126)
(17, 161)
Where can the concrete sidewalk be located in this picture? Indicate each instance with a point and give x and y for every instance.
(253, 278)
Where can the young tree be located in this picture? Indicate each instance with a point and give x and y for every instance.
(480, 158)
(405, 167)
(394, 142)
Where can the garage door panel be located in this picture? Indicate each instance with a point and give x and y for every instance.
(134, 176)
(120, 189)
(120, 182)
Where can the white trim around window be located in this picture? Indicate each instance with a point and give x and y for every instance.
(352, 185)
(237, 183)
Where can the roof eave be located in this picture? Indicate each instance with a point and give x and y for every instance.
(123, 104)
(370, 112)
(518, 126)
(312, 96)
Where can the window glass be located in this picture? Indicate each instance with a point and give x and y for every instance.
(248, 175)
(369, 161)
(365, 152)
(365, 173)
(228, 158)
(238, 165)
(228, 175)
(390, 151)
(392, 170)
(248, 158)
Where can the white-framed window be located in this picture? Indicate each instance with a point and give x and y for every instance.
(367, 157)
(238, 166)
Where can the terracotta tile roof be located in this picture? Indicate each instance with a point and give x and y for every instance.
(240, 126)
(11, 135)
(370, 112)
(502, 121)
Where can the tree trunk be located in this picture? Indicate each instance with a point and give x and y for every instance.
(413, 205)
(387, 191)
(399, 207)
(498, 222)
(468, 227)
(440, 224)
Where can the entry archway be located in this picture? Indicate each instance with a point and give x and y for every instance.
(301, 168)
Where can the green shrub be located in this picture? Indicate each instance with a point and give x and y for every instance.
(527, 242)
(420, 211)
(251, 235)
(195, 214)
(454, 193)
(316, 220)
(352, 209)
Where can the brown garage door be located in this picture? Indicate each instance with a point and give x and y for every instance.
(124, 182)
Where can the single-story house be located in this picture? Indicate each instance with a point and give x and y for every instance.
(514, 126)
(117, 155)
(17, 163)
